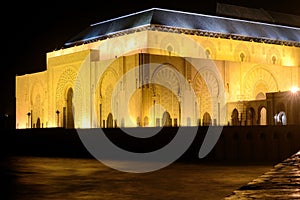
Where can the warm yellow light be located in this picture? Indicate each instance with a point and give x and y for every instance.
(85, 123)
(294, 89)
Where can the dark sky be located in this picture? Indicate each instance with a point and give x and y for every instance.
(31, 29)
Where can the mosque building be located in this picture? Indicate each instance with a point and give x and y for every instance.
(161, 67)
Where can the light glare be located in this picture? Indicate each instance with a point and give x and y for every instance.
(294, 89)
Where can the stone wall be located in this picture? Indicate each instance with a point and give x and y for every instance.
(257, 143)
(236, 143)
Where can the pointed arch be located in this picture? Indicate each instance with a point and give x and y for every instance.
(103, 94)
(259, 80)
(167, 87)
(166, 119)
(262, 118)
(170, 45)
(274, 56)
(37, 99)
(242, 53)
(38, 123)
(210, 49)
(207, 89)
(235, 117)
(146, 121)
(109, 77)
(110, 121)
(206, 119)
(165, 75)
(208, 79)
(69, 111)
(69, 79)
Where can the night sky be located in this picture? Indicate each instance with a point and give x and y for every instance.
(31, 29)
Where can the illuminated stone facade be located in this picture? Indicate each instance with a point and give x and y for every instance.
(156, 75)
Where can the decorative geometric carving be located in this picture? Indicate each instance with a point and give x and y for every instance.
(242, 53)
(166, 83)
(206, 87)
(209, 49)
(109, 78)
(67, 79)
(206, 79)
(259, 76)
(166, 77)
(170, 45)
(104, 91)
(273, 56)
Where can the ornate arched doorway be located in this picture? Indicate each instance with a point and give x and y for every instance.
(110, 121)
(166, 119)
(235, 117)
(263, 116)
(206, 119)
(166, 90)
(68, 110)
(206, 88)
(146, 121)
(38, 123)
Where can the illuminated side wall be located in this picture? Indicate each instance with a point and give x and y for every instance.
(160, 62)
(32, 100)
(66, 85)
(250, 70)
(252, 67)
(220, 72)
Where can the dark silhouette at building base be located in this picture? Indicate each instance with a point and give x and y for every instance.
(236, 143)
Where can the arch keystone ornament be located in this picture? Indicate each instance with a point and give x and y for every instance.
(112, 155)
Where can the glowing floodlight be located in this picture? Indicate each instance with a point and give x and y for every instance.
(294, 89)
